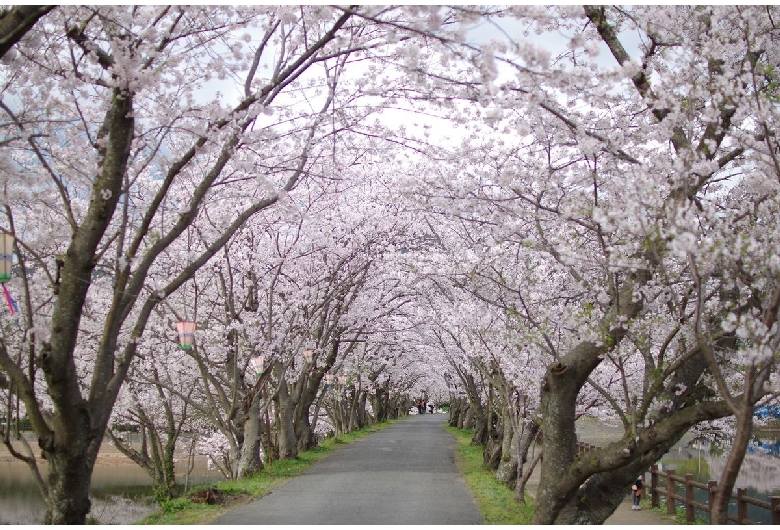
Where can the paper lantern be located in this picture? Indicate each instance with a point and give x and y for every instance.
(308, 355)
(6, 256)
(258, 363)
(186, 334)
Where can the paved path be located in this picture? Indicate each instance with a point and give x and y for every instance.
(403, 474)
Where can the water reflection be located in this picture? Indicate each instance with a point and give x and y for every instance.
(120, 492)
(759, 474)
(766, 447)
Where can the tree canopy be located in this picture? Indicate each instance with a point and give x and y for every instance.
(531, 213)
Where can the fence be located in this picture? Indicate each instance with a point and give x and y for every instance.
(688, 499)
(691, 504)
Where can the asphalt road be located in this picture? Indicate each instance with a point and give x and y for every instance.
(403, 474)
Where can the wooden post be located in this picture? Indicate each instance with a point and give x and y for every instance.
(670, 492)
(654, 496)
(742, 507)
(775, 509)
(690, 511)
(712, 489)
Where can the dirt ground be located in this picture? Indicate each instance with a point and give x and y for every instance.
(108, 453)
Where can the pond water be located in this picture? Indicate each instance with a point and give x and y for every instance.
(120, 491)
(759, 474)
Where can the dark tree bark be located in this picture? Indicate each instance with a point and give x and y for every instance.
(310, 383)
(287, 441)
(559, 391)
(249, 461)
(72, 441)
(381, 405)
(587, 488)
(16, 22)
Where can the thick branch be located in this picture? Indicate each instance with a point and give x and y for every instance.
(16, 22)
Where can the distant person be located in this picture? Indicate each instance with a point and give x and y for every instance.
(430, 408)
(636, 493)
(420, 407)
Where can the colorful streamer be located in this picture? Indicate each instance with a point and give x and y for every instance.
(11, 302)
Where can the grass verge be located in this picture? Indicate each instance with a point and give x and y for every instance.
(208, 501)
(495, 501)
(680, 516)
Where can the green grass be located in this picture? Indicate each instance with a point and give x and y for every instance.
(495, 501)
(680, 515)
(184, 510)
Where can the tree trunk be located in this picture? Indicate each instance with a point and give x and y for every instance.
(560, 386)
(72, 442)
(457, 407)
(508, 468)
(728, 477)
(524, 440)
(558, 406)
(69, 480)
(381, 405)
(285, 428)
(524, 475)
(480, 425)
(303, 430)
(466, 419)
(249, 461)
(270, 449)
(70, 474)
(360, 416)
(492, 455)
(166, 486)
(354, 411)
(507, 431)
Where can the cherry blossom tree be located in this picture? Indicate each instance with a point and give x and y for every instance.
(573, 225)
(158, 417)
(118, 136)
(622, 187)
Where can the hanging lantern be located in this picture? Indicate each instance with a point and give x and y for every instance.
(328, 379)
(342, 379)
(186, 334)
(258, 363)
(308, 355)
(6, 256)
